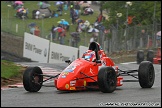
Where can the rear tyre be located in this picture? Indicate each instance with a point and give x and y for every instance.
(146, 74)
(140, 56)
(32, 80)
(150, 55)
(107, 79)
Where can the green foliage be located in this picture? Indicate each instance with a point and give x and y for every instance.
(142, 10)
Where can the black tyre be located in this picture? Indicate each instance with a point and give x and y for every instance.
(140, 56)
(32, 80)
(146, 74)
(150, 55)
(107, 79)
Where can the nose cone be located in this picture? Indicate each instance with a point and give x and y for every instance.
(68, 75)
(62, 84)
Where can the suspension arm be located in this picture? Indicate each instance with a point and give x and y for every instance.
(50, 76)
(86, 76)
(121, 72)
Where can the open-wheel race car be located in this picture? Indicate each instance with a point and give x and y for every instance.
(150, 56)
(94, 70)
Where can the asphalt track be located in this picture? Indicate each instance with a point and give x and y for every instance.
(130, 94)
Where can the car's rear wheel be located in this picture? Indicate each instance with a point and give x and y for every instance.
(107, 79)
(150, 55)
(140, 56)
(32, 80)
(146, 74)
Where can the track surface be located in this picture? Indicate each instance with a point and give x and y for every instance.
(130, 94)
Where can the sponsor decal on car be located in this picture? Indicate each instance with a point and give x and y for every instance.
(69, 69)
(85, 83)
(72, 83)
(63, 76)
(72, 88)
(67, 86)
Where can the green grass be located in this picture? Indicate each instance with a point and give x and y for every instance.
(10, 26)
(9, 69)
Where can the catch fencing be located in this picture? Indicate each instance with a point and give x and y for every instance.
(131, 38)
(120, 40)
(18, 28)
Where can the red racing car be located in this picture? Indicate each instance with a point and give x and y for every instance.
(150, 56)
(94, 70)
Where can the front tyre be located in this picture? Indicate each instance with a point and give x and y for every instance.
(32, 80)
(107, 79)
(146, 74)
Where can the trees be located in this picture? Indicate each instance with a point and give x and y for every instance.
(144, 12)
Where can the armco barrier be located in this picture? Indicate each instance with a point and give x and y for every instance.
(14, 45)
(35, 48)
(44, 51)
(59, 53)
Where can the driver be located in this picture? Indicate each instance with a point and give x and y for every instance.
(89, 55)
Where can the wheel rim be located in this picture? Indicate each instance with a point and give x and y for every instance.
(36, 79)
(110, 79)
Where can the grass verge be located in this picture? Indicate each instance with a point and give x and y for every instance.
(11, 73)
(9, 69)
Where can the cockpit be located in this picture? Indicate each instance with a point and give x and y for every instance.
(94, 46)
(92, 53)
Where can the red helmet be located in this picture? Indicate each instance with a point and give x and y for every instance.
(89, 55)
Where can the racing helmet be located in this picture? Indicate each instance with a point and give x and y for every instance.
(90, 55)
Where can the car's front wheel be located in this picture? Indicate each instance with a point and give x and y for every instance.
(146, 74)
(107, 79)
(32, 79)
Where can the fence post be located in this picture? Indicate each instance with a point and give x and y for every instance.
(16, 28)
(1, 22)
